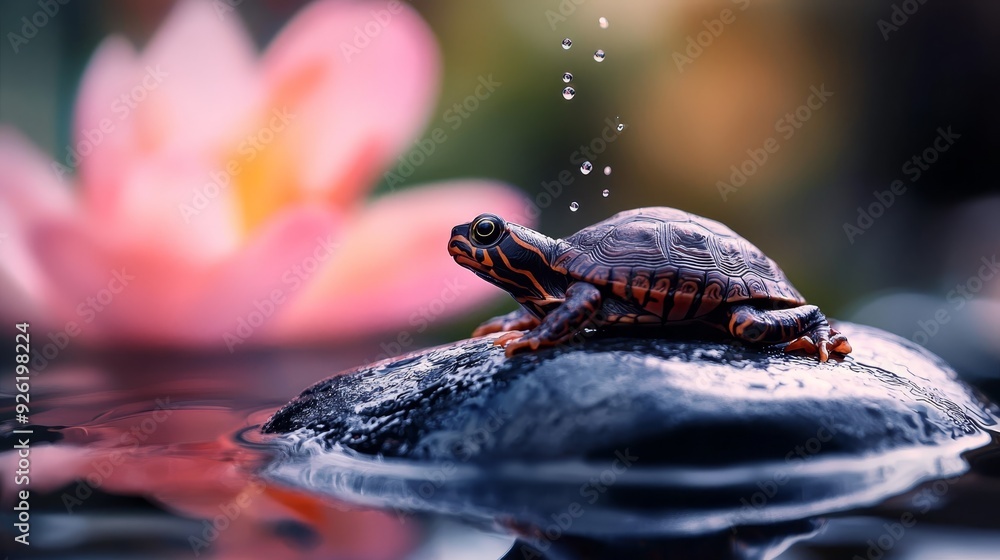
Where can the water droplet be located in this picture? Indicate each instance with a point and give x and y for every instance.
(586, 167)
(603, 22)
(568, 92)
(574, 206)
(599, 55)
(606, 192)
(621, 127)
(567, 77)
(607, 170)
(567, 43)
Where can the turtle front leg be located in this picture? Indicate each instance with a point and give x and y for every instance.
(518, 320)
(581, 305)
(803, 328)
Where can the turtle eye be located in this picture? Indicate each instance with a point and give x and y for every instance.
(486, 230)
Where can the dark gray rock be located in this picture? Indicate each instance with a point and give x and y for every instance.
(633, 438)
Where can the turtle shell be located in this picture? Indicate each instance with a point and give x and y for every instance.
(674, 265)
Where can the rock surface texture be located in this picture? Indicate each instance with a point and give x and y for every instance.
(612, 439)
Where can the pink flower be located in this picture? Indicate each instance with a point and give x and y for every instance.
(219, 197)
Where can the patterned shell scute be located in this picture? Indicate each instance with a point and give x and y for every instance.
(668, 253)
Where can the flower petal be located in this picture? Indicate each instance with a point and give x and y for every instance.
(140, 296)
(30, 195)
(184, 105)
(103, 144)
(200, 71)
(393, 268)
(365, 74)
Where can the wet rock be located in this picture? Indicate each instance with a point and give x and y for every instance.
(618, 439)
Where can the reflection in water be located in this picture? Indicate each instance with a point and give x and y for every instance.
(658, 501)
(157, 455)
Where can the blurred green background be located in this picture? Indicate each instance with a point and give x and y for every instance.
(697, 88)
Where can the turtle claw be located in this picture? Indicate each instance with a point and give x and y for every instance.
(486, 328)
(495, 325)
(513, 321)
(521, 344)
(839, 343)
(836, 344)
(515, 342)
(506, 338)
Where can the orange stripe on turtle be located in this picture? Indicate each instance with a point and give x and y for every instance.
(531, 248)
(619, 282)
(640, 287)
(658, 296)
(684, 296)
(738, 329)
(713, 294)
(526, 273)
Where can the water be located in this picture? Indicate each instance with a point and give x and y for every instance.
(394, 483)
(133, 453)
(586, 167)
(620, 127)
(567, 77)
(603, 22)
(607, 170)
(574, 206)
(568, 92)
(605, 193)
(567, 43)
(159, 456)
(599, 55)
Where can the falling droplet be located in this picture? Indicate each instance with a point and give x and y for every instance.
(567, 43)
(567, 77)
(599, 55)
(603, 22)
(607, 170)
(568, 92)
(574, 206)
(606, 192)
(621, 127)
(586, 167)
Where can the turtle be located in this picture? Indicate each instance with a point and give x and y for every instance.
(654, 267)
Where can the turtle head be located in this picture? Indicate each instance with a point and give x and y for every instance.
(515, 258)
